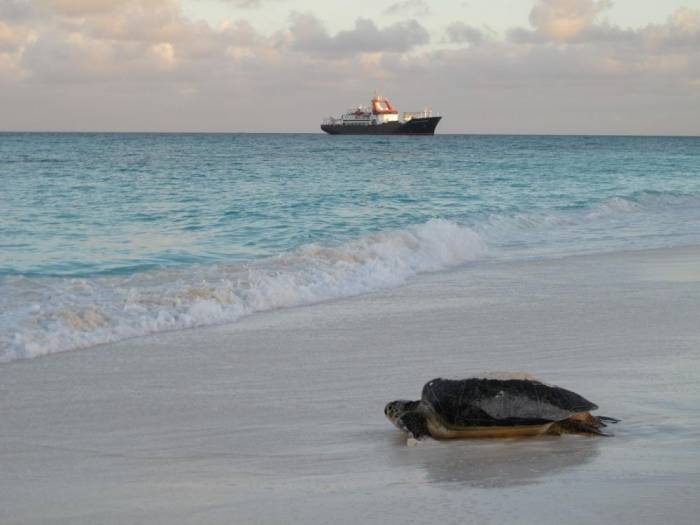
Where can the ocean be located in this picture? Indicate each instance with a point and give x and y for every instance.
(107, 237)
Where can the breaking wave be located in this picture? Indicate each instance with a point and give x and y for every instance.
(49, 314)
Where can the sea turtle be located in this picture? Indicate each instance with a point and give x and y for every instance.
(494, 406)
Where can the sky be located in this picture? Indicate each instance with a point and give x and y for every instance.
(487, 66)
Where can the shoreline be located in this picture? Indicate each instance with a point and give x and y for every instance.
(278, 417)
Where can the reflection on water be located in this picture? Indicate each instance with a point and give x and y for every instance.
(494, 463)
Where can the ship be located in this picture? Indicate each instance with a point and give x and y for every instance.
(381, 118)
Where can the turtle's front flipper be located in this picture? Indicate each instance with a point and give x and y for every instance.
(414, 424)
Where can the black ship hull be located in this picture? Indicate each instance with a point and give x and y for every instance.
(416, 126)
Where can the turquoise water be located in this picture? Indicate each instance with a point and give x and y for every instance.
(109, 236)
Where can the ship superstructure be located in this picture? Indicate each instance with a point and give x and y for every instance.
(381, 118)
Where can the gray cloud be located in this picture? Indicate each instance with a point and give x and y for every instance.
(459, 32)
(309, 35)
(88, 7)
(16, 10)
(408, 8)
(574, 22)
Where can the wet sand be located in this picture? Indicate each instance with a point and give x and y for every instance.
(278, 418)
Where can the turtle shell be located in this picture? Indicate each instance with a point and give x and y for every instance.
(501, 402)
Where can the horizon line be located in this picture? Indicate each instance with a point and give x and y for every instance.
(512, 134)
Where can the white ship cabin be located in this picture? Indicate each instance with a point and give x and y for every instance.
(381, 112)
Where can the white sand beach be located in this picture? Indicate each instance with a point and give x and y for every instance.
(278, 418)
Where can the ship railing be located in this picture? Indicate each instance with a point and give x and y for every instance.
(426, 113)
(332, 121)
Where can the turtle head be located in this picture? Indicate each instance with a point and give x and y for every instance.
(395, 409)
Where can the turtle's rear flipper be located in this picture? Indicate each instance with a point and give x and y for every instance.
(576, 426)
(414, 424)
(593, 421)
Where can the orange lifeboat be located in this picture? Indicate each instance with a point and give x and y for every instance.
(382, 106)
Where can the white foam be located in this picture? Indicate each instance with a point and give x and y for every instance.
(43, 316)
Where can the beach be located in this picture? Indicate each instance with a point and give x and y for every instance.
(278, 418)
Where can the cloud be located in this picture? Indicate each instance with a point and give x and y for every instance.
(459, 33)
(309, 35)
(686, 20)
(584, 49)
(83, 7)
(248, 4)
(408, 8)
(575, 22)
(135, 41)
(565, 19)
(16, 10)
(13, 38)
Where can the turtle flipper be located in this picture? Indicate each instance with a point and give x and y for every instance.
(576, 426)
(606, 419)
(414, 424)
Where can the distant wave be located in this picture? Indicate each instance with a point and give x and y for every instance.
(642, 220)
(46, 315)
(643, 201)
